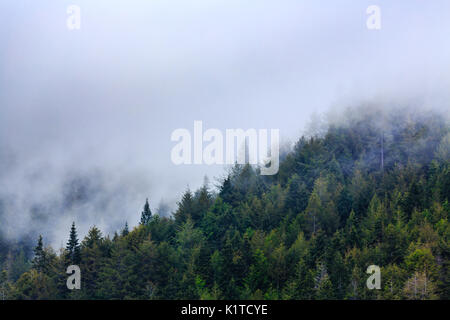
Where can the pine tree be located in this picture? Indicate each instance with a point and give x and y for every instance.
(146, 215)
(185, 208)
(39, 256)
(73, 247)
(297, 196)
(226, 191)
(94, 237)
(125, 230)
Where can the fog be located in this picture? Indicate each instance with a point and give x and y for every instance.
(86, 115)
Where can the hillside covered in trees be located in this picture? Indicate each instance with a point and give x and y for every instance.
(372, 189)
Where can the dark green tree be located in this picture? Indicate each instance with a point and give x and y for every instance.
(125, 230)
(73, 247)
(146, 215)
(39, 262)
(185, 208)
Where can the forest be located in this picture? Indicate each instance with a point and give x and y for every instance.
(371, 188)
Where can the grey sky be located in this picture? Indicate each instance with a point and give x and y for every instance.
(106, 98)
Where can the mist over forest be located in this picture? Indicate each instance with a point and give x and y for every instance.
(370, 187)
(86, 175)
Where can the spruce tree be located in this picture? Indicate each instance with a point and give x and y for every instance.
(185, 208)
(226, 190)
(73, 247)
(125, 230)
(202, 202)
(146, 215)
(39, 256)
(94, 237)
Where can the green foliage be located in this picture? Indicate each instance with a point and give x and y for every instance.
(72, 247)
(146, 215)
(310, 232)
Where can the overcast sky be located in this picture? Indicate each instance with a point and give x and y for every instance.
(102, 101)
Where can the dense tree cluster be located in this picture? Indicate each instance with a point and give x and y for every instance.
(373, 190)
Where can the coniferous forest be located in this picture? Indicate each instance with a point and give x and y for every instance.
(370, 189)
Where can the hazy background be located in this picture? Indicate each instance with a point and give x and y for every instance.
(86, 115)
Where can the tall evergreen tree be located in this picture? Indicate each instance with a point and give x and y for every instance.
(38, 262)
(125, 230)
(185, 208)
(73, 247)
(146, 215)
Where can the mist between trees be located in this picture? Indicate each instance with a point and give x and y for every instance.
(370, 188)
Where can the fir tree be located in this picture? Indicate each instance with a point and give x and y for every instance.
(146, 215)
(125, 230)
(226, 191)
(73, 247)
(38, 262)
(185, 208)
